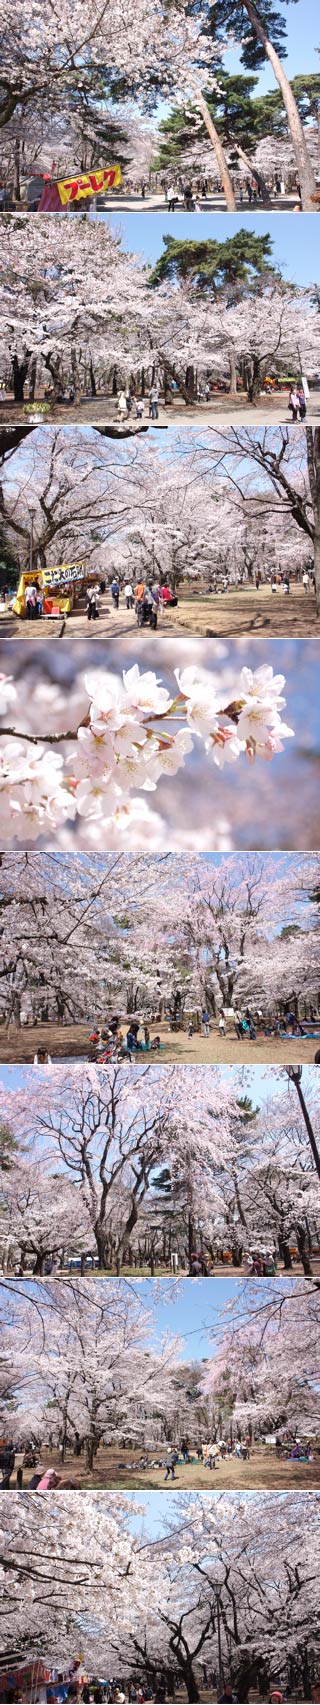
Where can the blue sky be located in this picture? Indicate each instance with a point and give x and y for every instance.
(303, 38)
(188, 1309)
(186, 1314)
(261, 1083)
(296, 248)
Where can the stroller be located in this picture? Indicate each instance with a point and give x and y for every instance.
(146, 615)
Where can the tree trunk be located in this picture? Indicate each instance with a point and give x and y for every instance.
(190, 1684)
(232, 371)
(39, 1265)
(101, 1246)
(253, 380)
(217, 145)
(19, 374)
(306, 174)
(53, 363)
(32, 378)
(303, 1251)
(253, 172)
(285, 1256)
(90, 1453)
(306, 1675)
(16, 174)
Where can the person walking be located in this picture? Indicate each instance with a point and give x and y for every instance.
(188, 197)
(154, 402)
(122, 406)
(205, 1020)
(294, 403)
(92, 604)
(115, 593)
(306, 580)
(128, 593)
(7, 1462)
(171, 1461)
(31, 601)
(302, 402)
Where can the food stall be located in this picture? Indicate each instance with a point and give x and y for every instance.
(60, 588)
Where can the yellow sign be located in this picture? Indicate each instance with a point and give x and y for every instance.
(89, 183)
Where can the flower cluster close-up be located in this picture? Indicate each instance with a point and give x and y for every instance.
(125, 732)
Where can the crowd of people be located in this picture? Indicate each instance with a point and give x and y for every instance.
(128, 403)
(190, 193)
(208, 1454)
(121, 1691)
(145, 597)
(111, 1042)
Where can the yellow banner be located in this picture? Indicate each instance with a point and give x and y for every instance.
(89, 183)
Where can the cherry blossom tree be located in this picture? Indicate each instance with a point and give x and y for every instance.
(268, 484)
(88, 1369)
(229, 501)
(128, 1165)
(101, 1135)
(78, 934)
(260, 1336)
(64, 312)
(201, 1603)
(155, 518)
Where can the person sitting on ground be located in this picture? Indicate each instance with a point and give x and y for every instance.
(42, 1058)
(133, 1045)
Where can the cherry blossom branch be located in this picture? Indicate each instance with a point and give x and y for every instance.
(117, 744)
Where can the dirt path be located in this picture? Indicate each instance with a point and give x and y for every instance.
(71, 1042)
(228, 615)
(119, 1470)
(100, 411)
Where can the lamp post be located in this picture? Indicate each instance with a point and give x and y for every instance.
(295, 1075)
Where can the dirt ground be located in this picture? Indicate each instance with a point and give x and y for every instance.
(113, 1470)
(222, 407)
(70, 1042)
(226, 615)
